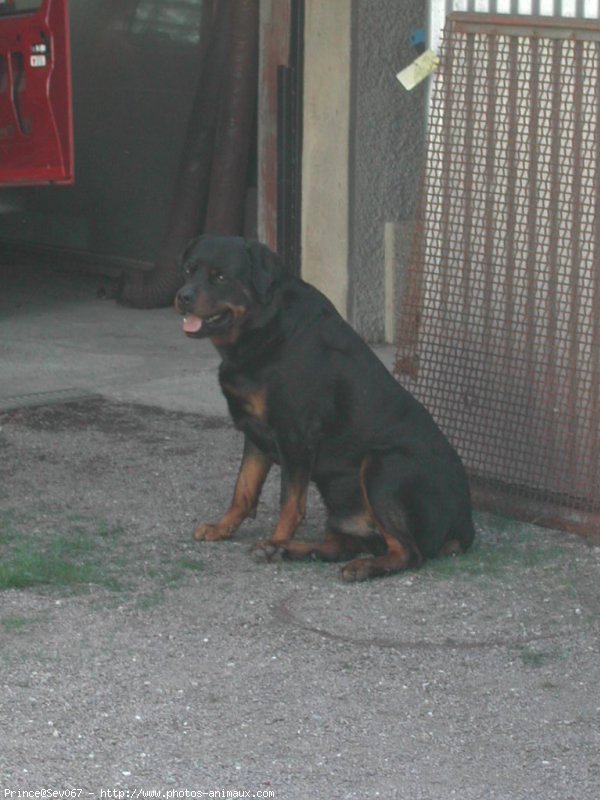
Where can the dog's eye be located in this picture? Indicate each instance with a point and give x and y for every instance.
(216, 276)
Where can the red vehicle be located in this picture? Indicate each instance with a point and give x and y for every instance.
(163, 105)
(36, 126)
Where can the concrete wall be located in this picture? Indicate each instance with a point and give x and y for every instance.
(325, 160)
(386, 146)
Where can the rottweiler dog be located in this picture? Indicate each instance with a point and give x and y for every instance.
(311, 396)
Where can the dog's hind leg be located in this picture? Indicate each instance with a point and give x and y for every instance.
(398, 557)
(388, 517)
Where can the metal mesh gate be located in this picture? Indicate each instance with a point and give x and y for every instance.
(500, 327)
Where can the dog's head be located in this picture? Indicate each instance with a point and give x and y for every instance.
(231, 284)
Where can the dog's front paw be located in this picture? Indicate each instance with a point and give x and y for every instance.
(266, 551)
(212, 532)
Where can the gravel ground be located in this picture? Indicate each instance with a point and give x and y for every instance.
(157, 664)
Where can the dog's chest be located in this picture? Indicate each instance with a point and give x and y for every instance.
(247, 403)
(245, 398)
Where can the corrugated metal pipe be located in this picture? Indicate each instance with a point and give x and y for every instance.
(211, 182)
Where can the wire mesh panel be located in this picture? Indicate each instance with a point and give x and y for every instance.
(500, 327)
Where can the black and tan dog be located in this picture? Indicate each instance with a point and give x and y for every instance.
(310, 395)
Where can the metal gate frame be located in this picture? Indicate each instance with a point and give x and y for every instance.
(500, 325)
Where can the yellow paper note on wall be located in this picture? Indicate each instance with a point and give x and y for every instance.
(420, 68)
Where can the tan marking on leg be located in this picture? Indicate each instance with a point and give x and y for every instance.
(399, 555)
(253, 472)
(292, 514)
(397, 558)
(363, 490)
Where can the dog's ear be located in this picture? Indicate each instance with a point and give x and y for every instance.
(266, 269)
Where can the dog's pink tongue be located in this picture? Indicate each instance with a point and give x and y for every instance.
(191, 323)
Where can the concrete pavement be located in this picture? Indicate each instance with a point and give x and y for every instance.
(161, 664)
(58, 335)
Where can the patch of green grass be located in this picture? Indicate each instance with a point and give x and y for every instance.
(70, 552)
(479, 560)
(58, 564)
(14, 623)
(72, 558)
(510, 544)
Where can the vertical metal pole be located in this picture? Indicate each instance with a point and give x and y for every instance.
(550, 345)
(490, 193)
(573, 263)
(532, 227)
(595, 290)
(511, 197)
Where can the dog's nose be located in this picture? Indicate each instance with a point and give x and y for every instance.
(185, 298)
